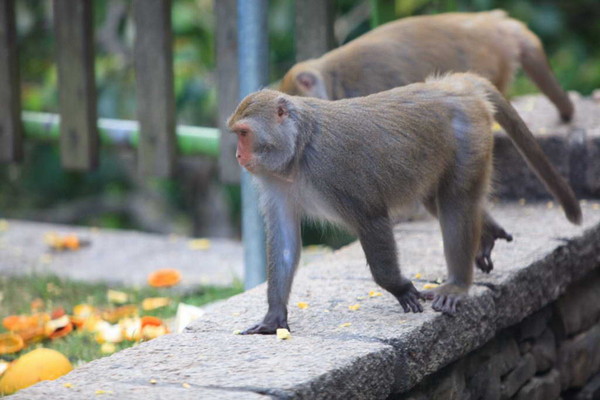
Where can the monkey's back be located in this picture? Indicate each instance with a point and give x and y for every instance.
(411, 49)
(400, 143)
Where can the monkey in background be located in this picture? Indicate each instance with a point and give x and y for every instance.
(355, 161)
(411, 49)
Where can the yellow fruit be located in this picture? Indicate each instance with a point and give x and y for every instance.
(37, 365)
(283, 334)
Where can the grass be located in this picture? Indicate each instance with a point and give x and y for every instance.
(17, 293)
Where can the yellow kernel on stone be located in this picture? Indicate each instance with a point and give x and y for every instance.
(354, 307)
(283, 334)
(237, 332)
(496, 127)
(302, 305)
(345, 325)
(360, 297)
(186, 385)
(373, 293)
(199, 244)
(418, 275)
(550, 204)
(430, 285)
(153, 381)
(68, 385)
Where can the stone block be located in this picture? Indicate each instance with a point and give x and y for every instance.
(533, 326)
(545, 387)
(579, 358)
(513, 381)
(579, 308)
(544, 351)
(508, 356)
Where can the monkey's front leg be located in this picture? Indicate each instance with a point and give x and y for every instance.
(282, 221)
(377, 240)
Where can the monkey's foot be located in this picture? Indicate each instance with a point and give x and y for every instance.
(409, 299)
(268, 326)
(490, 234)
(446, 298)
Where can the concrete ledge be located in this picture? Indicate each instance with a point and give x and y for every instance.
(382, 351)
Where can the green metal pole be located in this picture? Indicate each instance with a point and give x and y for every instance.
(191, 140)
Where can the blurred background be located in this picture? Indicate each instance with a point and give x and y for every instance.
(194, 202)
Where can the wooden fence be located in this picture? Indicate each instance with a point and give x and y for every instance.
(153, 63)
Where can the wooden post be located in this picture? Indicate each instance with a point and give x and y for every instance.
(11, 134)
(73, 25)
(314, 28)
(227, 85)
(155, 92)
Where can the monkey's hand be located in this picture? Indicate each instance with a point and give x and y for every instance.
(409, 299)
(488, 238)
(269, 325)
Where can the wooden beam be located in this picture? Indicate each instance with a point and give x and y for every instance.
(314, 28)
(155, 92)
(11, 135)
(227, 85)
(73, 26)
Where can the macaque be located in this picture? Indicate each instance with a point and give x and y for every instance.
(355, 161)
(411, 49)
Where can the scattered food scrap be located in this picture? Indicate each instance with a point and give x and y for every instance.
(117, 297)
(38, 365)
(152, 303)
(373, 293)
(345, 324)
(430, 286)
(199, 244)
(283, 334)
(164, 278)
(302, 305)
(64, 242)
(354, 307)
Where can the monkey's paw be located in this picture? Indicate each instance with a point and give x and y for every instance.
(488, 239)
(446, 298)
(409, 300)
(267, 327)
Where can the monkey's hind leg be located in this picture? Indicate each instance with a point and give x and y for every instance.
(377, 240)
(491, 232)
(460, 219)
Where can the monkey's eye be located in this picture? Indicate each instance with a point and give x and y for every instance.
(243, 133)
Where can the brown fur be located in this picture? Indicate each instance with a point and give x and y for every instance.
(411, 49)
(354, 161)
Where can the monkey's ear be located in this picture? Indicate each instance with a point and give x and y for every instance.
(283, 109)
(306, 80)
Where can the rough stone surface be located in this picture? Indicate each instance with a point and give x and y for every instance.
(546, 387)
(579, 308)
(533, 325)
(517, 377)
(119, 257)
(544, 351)
(579, 358)
(234, 364)
(591, 391)
(574, 148)
(383, 350)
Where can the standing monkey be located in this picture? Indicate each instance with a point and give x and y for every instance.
(354, 161)
(411, 49)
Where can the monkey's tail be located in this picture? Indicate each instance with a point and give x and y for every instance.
(531, 151)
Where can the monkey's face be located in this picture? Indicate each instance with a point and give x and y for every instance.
(266, 134)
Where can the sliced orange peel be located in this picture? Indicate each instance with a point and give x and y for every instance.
(11, 343)
(164, 278)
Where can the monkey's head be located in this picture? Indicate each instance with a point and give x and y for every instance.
(265, 123)
(304, 79)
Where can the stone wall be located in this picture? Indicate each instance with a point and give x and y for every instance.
(552, 354)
